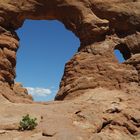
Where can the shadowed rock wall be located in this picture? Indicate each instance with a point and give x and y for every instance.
(101, 25)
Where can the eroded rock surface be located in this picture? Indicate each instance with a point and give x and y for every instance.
(99, 114)
(102, 26)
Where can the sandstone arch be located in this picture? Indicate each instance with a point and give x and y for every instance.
(124, 50)
(100, 26)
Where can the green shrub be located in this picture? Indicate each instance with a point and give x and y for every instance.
(27, 123)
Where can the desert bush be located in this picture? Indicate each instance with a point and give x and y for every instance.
(27, 123)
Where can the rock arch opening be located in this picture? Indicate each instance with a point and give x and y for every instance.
(45, 47)
(122, 52)
(96, 36)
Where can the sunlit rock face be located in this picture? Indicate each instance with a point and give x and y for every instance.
(101, 25)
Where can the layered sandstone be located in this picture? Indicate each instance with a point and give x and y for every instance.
(103, 94)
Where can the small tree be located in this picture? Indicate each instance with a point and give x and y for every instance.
(27, 123)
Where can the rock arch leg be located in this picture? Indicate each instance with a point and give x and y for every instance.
(8, 48)
(10, 90)
(95, 66)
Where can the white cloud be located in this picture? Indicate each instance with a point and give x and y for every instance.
(40, 92)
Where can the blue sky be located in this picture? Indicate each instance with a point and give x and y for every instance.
(45, 47)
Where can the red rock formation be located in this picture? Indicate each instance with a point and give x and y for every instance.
(101, 26)
(104, 93)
